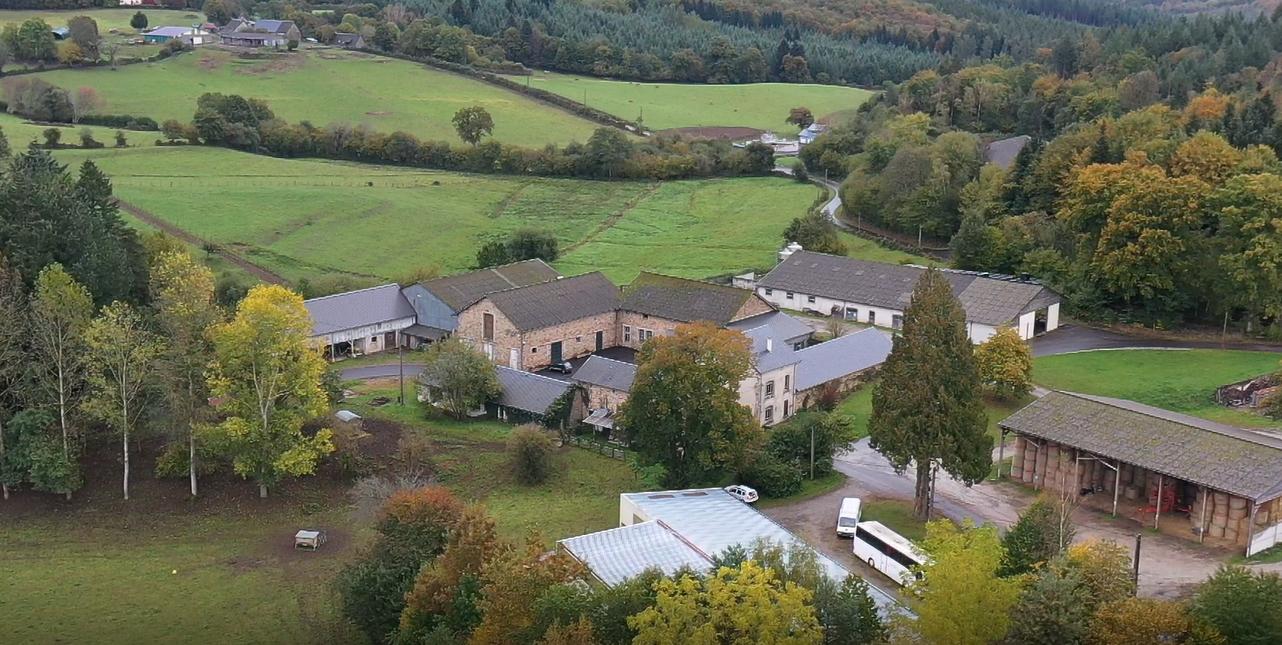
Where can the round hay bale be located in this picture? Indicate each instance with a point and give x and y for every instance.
(1230, 534)
(1237, 513)
(1215, 531)
(1237, 503)
(1131, 492)
(1221, 498)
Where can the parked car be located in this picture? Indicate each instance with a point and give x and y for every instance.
(745, 494)
(563, 367)
(848, 516)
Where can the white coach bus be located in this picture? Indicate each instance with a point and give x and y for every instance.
(887, 551)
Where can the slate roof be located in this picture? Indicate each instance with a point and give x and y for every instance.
(358, 308)
(684, 300)
(842, 356)
(528, 391)
(1002, 153)
(250, 35)
(712, 521)
(987, 300)
(460, 290)
(280, 27)
(781, 325)
(1229, 459)
(607, 373)
(616, 555)
(560, 301)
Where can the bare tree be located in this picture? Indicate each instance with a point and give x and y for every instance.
(85, 101)
(835, 328)
(110, 49)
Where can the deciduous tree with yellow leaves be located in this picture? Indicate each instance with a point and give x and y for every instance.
(267, 380)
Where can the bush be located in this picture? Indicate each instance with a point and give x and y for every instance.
(530, 453)
(87, 140)
(52, 137)
(773, 477)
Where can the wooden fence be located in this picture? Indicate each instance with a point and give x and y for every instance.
(599, 447)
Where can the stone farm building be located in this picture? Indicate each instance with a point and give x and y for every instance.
(261, 33)
(877, 293)
(1185, 475)
(410, 316)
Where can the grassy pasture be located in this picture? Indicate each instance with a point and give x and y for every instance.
(326, 86)
(673, 105)
(302, 218)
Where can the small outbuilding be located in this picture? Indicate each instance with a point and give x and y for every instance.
(309, 539)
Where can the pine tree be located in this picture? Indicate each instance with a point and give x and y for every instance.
(927, 408)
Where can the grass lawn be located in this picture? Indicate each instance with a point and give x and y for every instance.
(305, 218)
(1183, 381)
(672, 105)
(326, 86)
(858, 406)
(809, 488)
(897, 515)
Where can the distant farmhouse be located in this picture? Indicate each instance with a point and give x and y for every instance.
(240, 32)
(877, 293)
(349, 41)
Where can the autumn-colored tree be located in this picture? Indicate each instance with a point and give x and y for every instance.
(84, 102)
(267, 378)
(510, 584)
(446, 592)
(122, 355)
(1206, 156)
(462, 376)
(13, 339)
(1144, 621)
(1005, 364)
(744, 604)
(61, 310)
(413, 528)
(683, 412)
(182, 293)
(1205, 109)
(960, 599)
(1105, 568)
(577, 633)
(800, 117)
(927, 408)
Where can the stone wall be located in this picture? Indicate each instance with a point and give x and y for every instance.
(533, 348)
(604, 397)
(635, 322)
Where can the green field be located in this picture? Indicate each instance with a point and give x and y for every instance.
(1183, 381)
(671, 105)
(305, 219)
(326, 86)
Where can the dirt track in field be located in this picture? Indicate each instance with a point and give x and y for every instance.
(186, 236)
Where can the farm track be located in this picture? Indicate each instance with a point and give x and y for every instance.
(184, 235)
(615, 217)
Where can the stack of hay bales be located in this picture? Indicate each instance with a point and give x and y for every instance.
(1017, 460)
(1228, 516)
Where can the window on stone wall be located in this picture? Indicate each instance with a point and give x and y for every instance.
(789, 295)
(770, 389)
(787, 382)
(810, 299)
(770, 292)
(770, 413)
(487, 326)
(627, 333)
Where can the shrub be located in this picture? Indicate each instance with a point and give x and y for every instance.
(52, 137)
(87, 140)
(530, 453)
(773, 477)
(121, 140)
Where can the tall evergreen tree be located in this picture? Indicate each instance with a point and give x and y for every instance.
(927, 409)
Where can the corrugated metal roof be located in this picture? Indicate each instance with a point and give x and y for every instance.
(683, 300)
(527, 391)
(556, 302)
(616, 555)
(606, 372)
(459, 291)
(988, 301)
(842, 356)
(172, 32)
(713, 521)
(359, 308)
(1223, 457)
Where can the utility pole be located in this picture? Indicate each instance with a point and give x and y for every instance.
(812, 451)
(1135, 566)
(400, 359)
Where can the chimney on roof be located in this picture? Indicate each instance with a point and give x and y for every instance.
(770, 345)
(788, 249)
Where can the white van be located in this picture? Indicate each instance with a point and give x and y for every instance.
(848, 517)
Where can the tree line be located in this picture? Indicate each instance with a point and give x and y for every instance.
(249, 124)
(106, 336)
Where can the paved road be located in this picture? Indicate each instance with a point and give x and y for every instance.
(1075, 338)
(389, 370)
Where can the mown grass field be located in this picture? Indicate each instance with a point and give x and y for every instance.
(326, 86)
(1183, 381)
(306, 219)
(673, 105)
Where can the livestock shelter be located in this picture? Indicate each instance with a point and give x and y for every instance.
(1183, 475)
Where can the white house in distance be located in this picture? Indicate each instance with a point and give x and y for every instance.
(877, 293)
